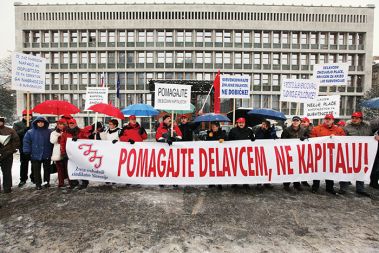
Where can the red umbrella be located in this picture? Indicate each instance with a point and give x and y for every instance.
(56, 107)
(107, 109)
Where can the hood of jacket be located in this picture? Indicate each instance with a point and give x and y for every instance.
(40, 118)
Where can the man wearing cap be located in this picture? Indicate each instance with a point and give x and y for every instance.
(356, 127)
(38, 147)
(187, 128)
(241, 131)
(307, 125)
(133, 131)
(21, 129)
(7, 148)
(294, 131)
(326, 129)
(163, 133)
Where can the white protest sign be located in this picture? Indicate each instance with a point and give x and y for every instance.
(172, 96)
(234, 86)
(28, 72)
(298, 90)
(323, 105)
(331, 74)
(96, 95)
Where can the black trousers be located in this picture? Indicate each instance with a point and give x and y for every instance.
(329, 184)
(24, 167)
(374, 177)
(6, 168)
(36, 167)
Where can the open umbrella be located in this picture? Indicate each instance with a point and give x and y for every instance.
(242, 112)
(140, 110)
(107, 109)
(267, 113)
(371, 103)
(212, 117)
(56, 107)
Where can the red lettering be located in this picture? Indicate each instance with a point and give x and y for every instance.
(190, 163)
(289, 160)
(130, 169)
(240, 158)
(280, 160)
(300, 154)
(203, 162)
(340, 163)
(161, 165)
(234, 159)
(211, 162)
(152, 164)
(250, 161)
(331, 147)
(260, 161)
(121, 160)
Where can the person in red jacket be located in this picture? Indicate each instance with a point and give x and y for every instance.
(74, 132)
(132, 132)
(163, 133)
(328, 128)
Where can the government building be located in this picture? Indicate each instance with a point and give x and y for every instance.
(137, 44)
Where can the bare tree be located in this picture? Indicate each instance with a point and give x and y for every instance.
(7, 96)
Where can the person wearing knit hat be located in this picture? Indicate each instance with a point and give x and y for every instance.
(56, 156)
(21, 128)
(133, 131)
(6, 154)
(164, 134)
(187, 128)
(341, 123)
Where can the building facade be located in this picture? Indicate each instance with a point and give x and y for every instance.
(134, 43)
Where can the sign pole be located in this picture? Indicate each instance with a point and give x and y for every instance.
(234, 111)
(172, 123)
(28, 109)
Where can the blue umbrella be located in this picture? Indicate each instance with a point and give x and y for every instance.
(267, 113)
(371, 103)
(211, 117)
(140, 110)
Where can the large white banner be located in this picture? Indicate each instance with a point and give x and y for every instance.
(233, 162)
(172, 96)
(324, 105)
(234, 86)
(28, 72)
(298, 90)
(331, 74)
(96, 95)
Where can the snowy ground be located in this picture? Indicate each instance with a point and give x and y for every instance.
(123, 218)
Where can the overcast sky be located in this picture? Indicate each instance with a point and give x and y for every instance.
(7, 14)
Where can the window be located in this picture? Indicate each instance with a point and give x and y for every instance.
(276, 59)
(321, 59)
(161, 36)
(295, 38)
(275, 80)
(92, 57)
(103, 36)
(130, 57)
(65, 80)
(121, 57)
(351, 40)
(257, 58)
(285, 38)
(84, 58)
(237, 58)
(64, 37)
(55, 78)
(131, 37)
(313, 39)
(64, 59)
(169, 37)
(313, 59)
(141, 57)
(341, 39)
(180, 36)
(246, 58)
(27, 37)
(74, 78)
(265, 80)
(111, 37)
(149, 57)
(227, 37)
(266, 38)
(188, 36)
(141, 36)
(36, 37)
(208, 36)
(55, 37)
(238, 37)
(199, 36)
(84, 78)
(92, 36)
(285, 59)
(179, 57)
(332, 39)
(103, 57)
(322, 38)
(121, 36)
(160, 57)
(227, 58)
(295, 59)
(188, 58)
(208, 57)
(246, 37)
(304, 38)
(332, 58)
(199, 57)
(92, 79)
(256, 79)
(74, 37)
(149, 36)
(218, 58)
(169, 57)
(54, 58)
(304, 59)
(276, 38)
(265, 58)
(83, 37)
(219, 37)
(257, 38)
(46, 37)
(74, 58)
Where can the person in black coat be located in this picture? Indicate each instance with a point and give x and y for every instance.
(241, 131)
(187, 128)
(266, 131)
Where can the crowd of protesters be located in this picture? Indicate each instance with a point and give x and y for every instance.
(43, 146)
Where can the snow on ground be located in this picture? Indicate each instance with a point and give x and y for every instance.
(122, 218)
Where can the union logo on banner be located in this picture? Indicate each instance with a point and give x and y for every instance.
(92, 153)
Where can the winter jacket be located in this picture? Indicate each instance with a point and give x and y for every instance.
(134, 132)
(163, 133)
(37, 141)
(110, 135)
(71, 133)
(265, 133)
(238, 133)
(55, 138)
(292, 133)
(215, 136)
(12, 145)
(324, 130)
(187, 131)
(21, 129)
(363, 129)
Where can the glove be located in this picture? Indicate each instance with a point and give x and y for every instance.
(27, 156)
(302, 138)
(252, 138)
(169, 142)
(131, 141)
(114, 141)
(141, 130)
(75, 138)
(221, 140)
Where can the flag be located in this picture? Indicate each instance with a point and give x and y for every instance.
(102, 77)
(118, 86)
(216, 98)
